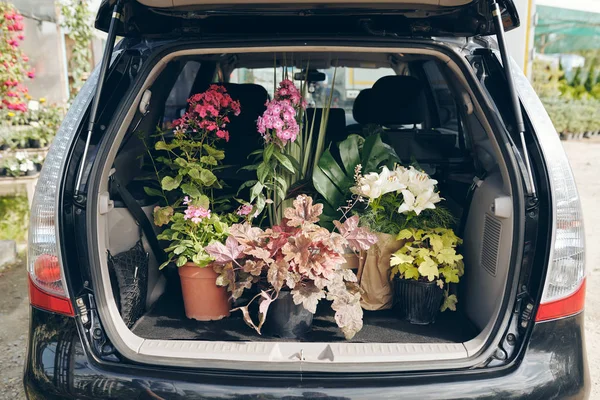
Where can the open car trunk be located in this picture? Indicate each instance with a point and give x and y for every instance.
(453, 141)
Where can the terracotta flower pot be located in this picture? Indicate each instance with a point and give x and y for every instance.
(202, 298)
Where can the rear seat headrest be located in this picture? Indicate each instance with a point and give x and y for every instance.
(360, 109)
(395, 100)
(252, 98)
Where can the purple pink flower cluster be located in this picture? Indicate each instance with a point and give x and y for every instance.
(195, 213)
(278, 123)
(208, 112)
(288, 91)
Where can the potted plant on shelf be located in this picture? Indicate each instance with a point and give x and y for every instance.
(295, 265)
(422, 270)
(187, 186)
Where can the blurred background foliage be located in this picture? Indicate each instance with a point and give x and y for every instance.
(572, 103)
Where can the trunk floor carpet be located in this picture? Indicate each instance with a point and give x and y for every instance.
(166, 320)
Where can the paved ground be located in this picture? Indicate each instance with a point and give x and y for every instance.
(585, 159)
(14, 313)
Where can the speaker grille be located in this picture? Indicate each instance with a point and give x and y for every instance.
(491, 241)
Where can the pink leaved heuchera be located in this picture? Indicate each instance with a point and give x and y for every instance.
(297, 255)
(208, 111)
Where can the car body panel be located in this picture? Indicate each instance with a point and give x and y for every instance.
(409, 18)
(59, 365)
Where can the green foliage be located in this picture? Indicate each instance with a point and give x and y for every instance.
(334, 175)
(38, 124)
(77, 20)
(187, 239)
(547, 81)
(573, 107)
(574, 116)
(14, 218)
(386, 219)
(429, 255)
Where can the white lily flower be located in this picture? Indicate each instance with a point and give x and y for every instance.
(424, 200)
(375, 185)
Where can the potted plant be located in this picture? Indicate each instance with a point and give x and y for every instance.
(395, 199)
(295, 265)
(422, 269)
(187, 185)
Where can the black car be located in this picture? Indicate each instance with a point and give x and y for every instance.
(457, 106)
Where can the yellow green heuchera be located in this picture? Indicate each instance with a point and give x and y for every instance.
(429, 255)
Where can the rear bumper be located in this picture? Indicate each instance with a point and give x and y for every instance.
(58, 366)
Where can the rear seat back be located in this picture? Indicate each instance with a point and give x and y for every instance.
(244, 136)
(336, 124)
(396, 102)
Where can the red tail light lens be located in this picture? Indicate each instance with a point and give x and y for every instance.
(40, 299)
(570, 305)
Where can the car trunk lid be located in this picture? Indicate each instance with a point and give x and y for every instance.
(460, 18)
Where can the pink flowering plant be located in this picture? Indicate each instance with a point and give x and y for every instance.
(299, 256)
(279, 126)
(13, 63)
(186, 170)
(190, 228)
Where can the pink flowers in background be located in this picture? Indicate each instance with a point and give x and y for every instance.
(194, 213)
(13, 68)
(208, 111)
(279, 121)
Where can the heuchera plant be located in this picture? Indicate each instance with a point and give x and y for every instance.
(13, 63)
(296, 255)
(189, 160)
(429, 255)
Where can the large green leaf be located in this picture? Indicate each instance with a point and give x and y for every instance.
(376, 153)
(350, 152)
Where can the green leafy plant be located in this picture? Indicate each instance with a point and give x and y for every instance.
(77, 18)
(280, 126)
(293, 145)
(187, 178)
(334, 175)
(14, 218)
(190, 230)
(429, 255)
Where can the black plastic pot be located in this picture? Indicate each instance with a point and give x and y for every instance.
(32, 172)
(287, 320)
(417, 302)
(4, 146)
(35, 143)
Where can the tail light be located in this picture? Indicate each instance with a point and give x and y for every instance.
(47, 285)
(564, 289)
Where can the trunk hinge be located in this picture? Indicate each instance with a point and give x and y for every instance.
(108, 49)
(520, 125)
(88, 315)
